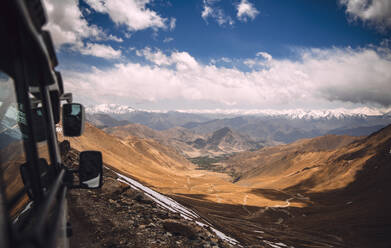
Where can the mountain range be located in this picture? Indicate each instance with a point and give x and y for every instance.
(272, 127)
(290, 113)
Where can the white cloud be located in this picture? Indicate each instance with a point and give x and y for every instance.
(264, 55)
(320, 76)
(210, 10)
(206, 12)
(168, 39)
(68, 27)
(100, 50)
(172, 23)
(134, 14)
(246, 10)
(157, 57)
(250, 62)
(114, 38)
(263, 59)
(182, 60)
(375, 12)
(67, 24)
(226, 60)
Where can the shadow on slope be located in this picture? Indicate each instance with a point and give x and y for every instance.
(361, 210)
(356, 215)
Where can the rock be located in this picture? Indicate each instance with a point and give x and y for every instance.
(179, 228)
(215, 240)
(123, 217)
(140, 197)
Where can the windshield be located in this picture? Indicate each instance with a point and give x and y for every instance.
(11, 140)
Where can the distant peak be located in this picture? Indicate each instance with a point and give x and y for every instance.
(109, 109)
(337, 113)
(219, 134)
(223, 130)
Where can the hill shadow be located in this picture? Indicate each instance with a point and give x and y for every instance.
(357, 215)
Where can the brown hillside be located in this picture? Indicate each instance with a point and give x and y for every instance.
(321, 192)
(161, 167)
(134, 129)
(186, 142)
(176, 138)
(143, 159)
(286, 164)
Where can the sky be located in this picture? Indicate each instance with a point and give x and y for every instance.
(225, 54)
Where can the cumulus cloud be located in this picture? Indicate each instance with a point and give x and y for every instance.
(68, 27)
(265, 56)
(359, 76)
(261, 60)
(67, 23)
(374, 12)
(100, 50)
(134, 14)
(211, 10)
(157, 57)
(182, 60)
(246, 10)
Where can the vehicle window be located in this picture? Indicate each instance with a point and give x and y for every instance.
(12, 155)
(42, 145)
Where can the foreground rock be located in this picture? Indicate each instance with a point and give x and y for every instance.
(119, 216)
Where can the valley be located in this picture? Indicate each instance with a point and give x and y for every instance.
(327, 191)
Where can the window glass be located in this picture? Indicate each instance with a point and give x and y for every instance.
(12, 118)
(39, 124)
(40, 128)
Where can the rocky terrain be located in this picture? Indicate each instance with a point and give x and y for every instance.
(119, 216)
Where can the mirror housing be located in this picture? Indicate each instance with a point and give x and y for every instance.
(73, 119)
(90, 170)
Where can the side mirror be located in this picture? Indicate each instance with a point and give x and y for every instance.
(91, 170)
(73, 119)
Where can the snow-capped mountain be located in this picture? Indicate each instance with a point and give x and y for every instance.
(338, 113)
(262, 125)
(109, 109)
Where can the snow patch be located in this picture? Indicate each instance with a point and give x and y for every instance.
(275, 245)
(109, 109)
(338, 113)
(308, 114)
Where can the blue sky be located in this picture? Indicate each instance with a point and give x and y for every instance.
(242, 54)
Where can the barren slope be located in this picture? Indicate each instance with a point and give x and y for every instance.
(163, 169)
(321, 192)
(286, 165)
(187, 143)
